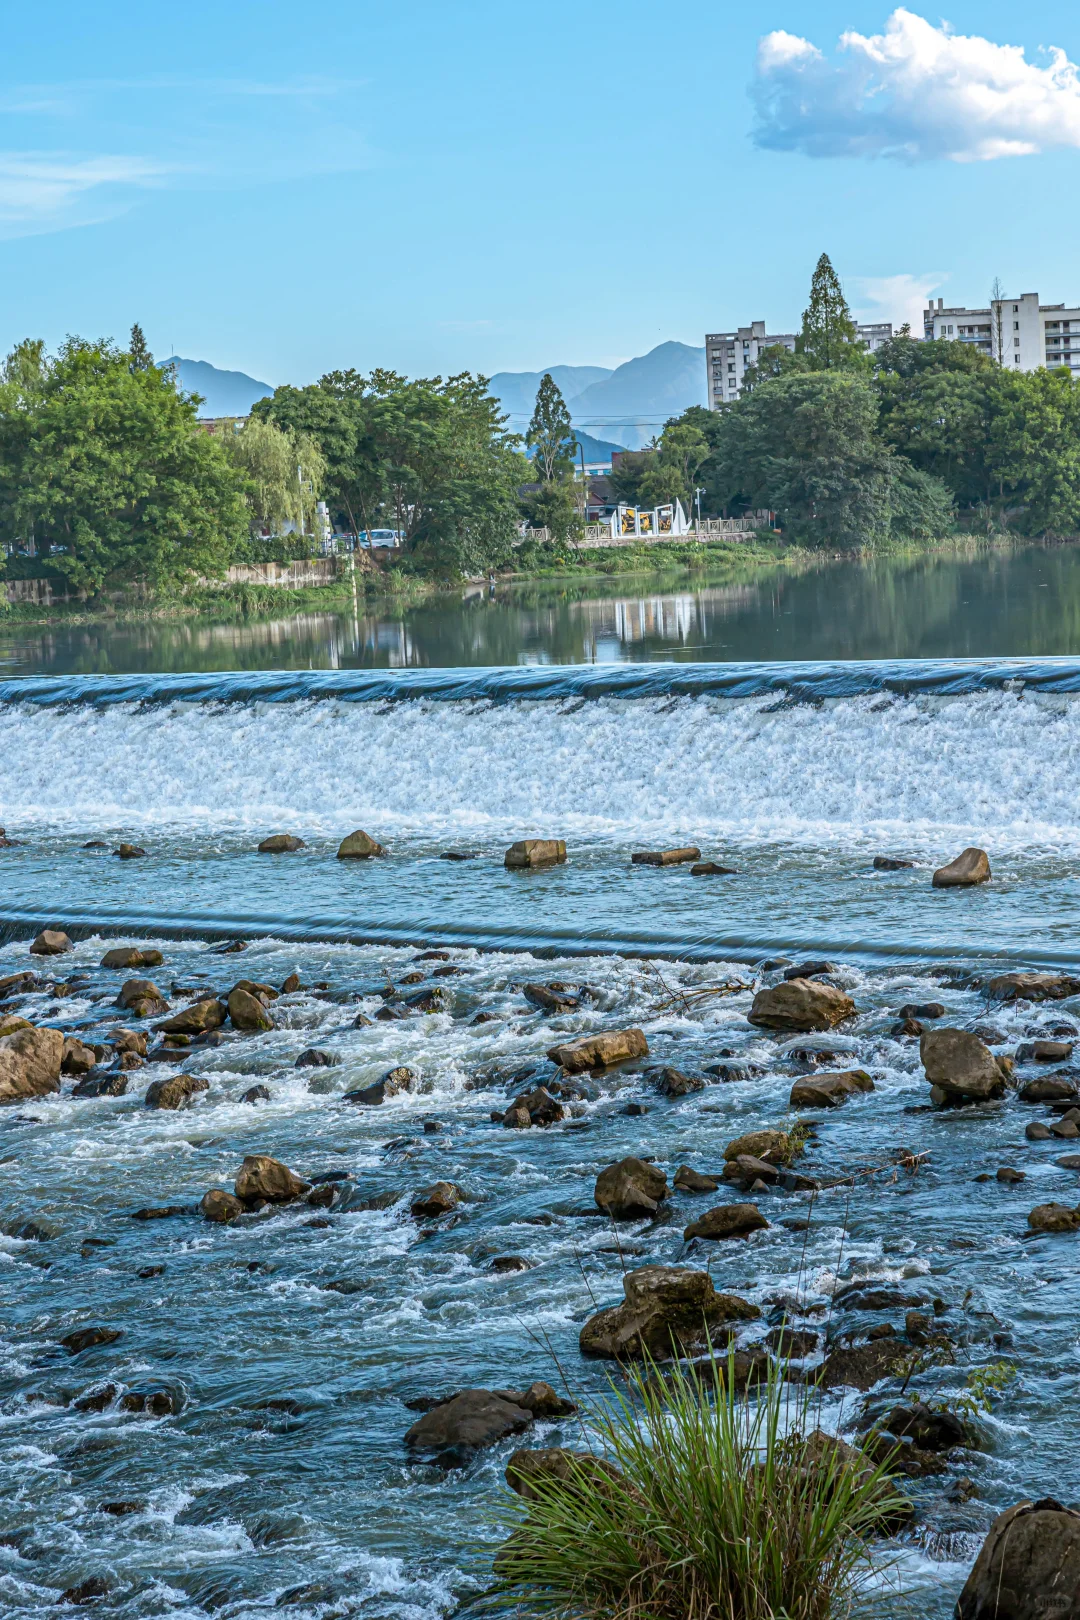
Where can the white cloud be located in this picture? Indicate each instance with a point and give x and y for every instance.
(914, 92)
(896, 298)
(41, 191)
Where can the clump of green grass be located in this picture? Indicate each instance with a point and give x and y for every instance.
(720, 1505)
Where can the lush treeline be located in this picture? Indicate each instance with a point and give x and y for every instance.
(850, 449)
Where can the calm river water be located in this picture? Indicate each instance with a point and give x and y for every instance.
(792, 728)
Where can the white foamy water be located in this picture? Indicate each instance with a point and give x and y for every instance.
(986, 766)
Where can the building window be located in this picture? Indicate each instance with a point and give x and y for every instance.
(1016, 343)
(1016, 326)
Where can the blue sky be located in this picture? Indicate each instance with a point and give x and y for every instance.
(485, 185)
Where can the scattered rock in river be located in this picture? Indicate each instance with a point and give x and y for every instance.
(687, 1180)
(30, 1063)
(439, 1199)
(971, 866)
(87, 1338)
(712, 869)
(666, 1310)
(247, 1012)
(1028, 1567)
(281, 844)
(924, 1010)
(630, 1190)
(314, 1058)
(726, 1221)
(829, 1090)
(891, 863)
(1054, 1218)
(51, 942)
(862, 1366)
(256, 1094)
(533, 1108)
(530, 853)
(392, 1083)
(109, 1084)
(77, 1058)
(600, 1051)
(665, 857)
(142, 998)
(809, 970)
(1009, 1176)
(960, 1067)
(358, 846)
(766, 1144)
(129, 852)
(1048, 1088)
(801, 1005)
(1037, 1131)
(569, 1468)
(749, 1173)
(176, 1091)
(131, 956)
(468, 1421)
(1044, 1051)
(268, 1180)
(88, 1591)
(196, 1019)
(219, 1205)
(1032, 987)
(674, 1083)
(547, 998)
(504, 1264)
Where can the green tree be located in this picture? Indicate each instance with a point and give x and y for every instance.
(550, 438)
(828, 338)
(672, 473)
(141, 358)
(104, 468)
(283, 470)
(775, 361)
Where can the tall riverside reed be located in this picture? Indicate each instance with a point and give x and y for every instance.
(711, 1504)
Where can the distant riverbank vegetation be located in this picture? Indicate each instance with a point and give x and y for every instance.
(110, 487)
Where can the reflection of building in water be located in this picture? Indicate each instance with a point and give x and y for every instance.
(678, 618)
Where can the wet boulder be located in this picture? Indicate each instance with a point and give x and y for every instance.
(129, 852)
(141, 998)
(891, 863)
(539, 1399)
(265, 1180)
(89, 1338)
(77, 1058)
(1049, 1088)
(726, 1221)
(131, 956)
(10, 1022)
(129, 1040)
(256, 1094)
(109, 1083)
(712, 869)
(358, 846)
(470, 1420)
(688, 1180)
(391, 1084)
(313, 1058)
(924, 1427)
(176, 1091)
(220, 1206)
(801, 1005)
(630, 1190)
(960, 1067)
(196, 1019)
(1028, 1567)
(766, 1144)
(526, 1469)
(548, 999)
(1054, 1218)
(529, 853)
(861, 1366)
(666, 857)
(1032, 987)
(51, 942)
(829, 1090)
(970, 867)
(749, 1173)
(281, 844)
(533, 1108)
(247, 1013)
(30, 1063)
(666, 1310)
(439, 1199)
(675, 1083)
(600, 1051)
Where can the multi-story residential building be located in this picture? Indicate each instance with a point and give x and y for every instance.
(1019, 332)
(728, 354)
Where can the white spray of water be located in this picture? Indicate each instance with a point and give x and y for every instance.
(987, 765)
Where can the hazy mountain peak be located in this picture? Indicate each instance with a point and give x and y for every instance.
(224, 393)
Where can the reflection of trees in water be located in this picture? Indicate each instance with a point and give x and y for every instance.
(1025, 601)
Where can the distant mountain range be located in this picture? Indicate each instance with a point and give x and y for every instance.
(627, 406)
(619, 409)
(224, 393)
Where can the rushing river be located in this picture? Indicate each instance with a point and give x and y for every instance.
(290, 1342)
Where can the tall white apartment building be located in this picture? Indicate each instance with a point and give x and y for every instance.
(1020, 332)
(727, 354)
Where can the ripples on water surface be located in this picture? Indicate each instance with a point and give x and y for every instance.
(245, 1504)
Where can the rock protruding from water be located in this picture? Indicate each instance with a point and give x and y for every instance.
(1032, 987)
(281, 844)
(767, 1144)
(77, 1058)
(630, 1190)
(266, 1180)
(568, 1468)
(112, 1083)
(51, 942)
(391, 1084)
(1028, 1567)
(960, 1067)
(970, 867)
(726, 1221)
(1054, 1218)
(529, 853)
(175, 1092)
(472, 1419)
(600, 1051)
(829, 1090)
(533, 1108)
(141, 998)
(220, 1206)
(666, 1310)
(129, 852)
(890, 863)
(131, 956)
(666, 857)
(247, 1013)
(688, 1180)
(196, 1019)
(358, 846)
(712, 869)
(801, 1005)
(439, 1199)
(30, 1062)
